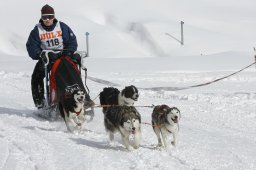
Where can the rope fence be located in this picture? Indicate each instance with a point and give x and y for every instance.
(108, 83)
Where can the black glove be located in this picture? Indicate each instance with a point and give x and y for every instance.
(76, 58)
(51, 56)
(67, 53)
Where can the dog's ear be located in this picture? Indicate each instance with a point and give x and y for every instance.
(132, 86)
(175, 108)
(122, 93)
(68, 95)
(159, 110)
(164, 108)
(156, 108)
(134, 110)
(135, 88)
(125, 90)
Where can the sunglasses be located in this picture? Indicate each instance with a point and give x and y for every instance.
(47, 17)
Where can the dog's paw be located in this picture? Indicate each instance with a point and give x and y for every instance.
(173, 143)
(168, 148)
(136, 146)
(159, 148)
(130, 148)
(112, 143)
(79, 125)
(76, 130)
(159, 145)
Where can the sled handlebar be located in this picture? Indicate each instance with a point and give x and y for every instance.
(46, 59)
(83, 54)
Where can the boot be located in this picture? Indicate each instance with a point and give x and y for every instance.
(39, 103)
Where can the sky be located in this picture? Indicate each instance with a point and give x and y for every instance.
(129, 43)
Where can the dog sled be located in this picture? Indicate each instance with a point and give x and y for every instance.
(61, 81)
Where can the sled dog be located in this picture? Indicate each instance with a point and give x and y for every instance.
(112, 96)
(127, 121)
(72, 110)
(67, 90)
(165, 121)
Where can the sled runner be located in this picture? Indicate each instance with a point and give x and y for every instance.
(60, 82)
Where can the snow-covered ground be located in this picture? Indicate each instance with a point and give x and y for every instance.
(217, 128)
(129, 45)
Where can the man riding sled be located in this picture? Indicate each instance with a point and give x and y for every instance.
(49, 34)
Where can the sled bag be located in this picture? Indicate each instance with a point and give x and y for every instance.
(65, 78)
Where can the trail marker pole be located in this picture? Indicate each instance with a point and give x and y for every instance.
(182, 36)
(181, 41)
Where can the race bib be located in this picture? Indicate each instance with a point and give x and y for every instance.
(51, 40)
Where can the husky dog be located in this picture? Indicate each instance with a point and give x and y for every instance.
(72, 110)
(165, 120)
(126, 120)
(112, 96)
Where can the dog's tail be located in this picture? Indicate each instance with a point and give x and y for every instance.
(102, 98)
(109, 96)
(61, 110)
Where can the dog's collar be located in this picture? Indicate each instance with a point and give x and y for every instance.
(166, 121)
(126, 103)
(78, 113)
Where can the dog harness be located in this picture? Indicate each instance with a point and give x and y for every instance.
(167, 129)
(78, 113)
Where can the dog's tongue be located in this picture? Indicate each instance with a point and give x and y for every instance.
(175, 120)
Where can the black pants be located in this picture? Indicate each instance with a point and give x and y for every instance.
(37, 82)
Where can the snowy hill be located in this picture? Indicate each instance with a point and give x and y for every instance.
(138, 28)
(129, 45)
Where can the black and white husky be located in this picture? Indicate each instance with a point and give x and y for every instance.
(127, 121)
(72, 110)
(112, 96)
(165, 121)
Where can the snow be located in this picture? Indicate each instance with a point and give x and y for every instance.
(129, 45)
